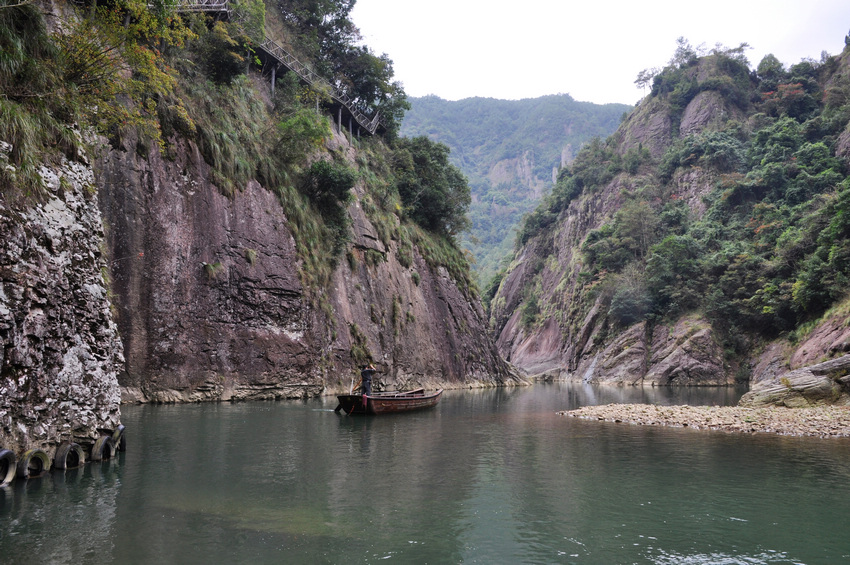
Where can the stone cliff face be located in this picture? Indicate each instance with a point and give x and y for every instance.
(520, 170)
(59, 347)
(814, 385)
(811, 371)
(206, 288)
(190, 295)
(415, 321)
(210, 304)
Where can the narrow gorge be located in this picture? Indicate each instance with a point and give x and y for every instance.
(210, 237)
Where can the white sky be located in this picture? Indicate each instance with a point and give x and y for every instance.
(590, 49)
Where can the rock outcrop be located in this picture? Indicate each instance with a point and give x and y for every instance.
(59, 347)
(807, 372)
(649, 126)
(708, 109)
(823, 383)
(684, 354)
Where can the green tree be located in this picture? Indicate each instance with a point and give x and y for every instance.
(324, 32)
(434, 192)
(771, 69)
(672, 274)
(636, 225)
(328, 186)
(222, 55)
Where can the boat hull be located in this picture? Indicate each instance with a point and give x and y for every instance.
(388, 402)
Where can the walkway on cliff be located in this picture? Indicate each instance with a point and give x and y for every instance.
(274, 53)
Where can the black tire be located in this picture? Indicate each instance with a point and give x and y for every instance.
(69, 455)
(103, 449)
(33, 463)
(8, 467)
(118, 438)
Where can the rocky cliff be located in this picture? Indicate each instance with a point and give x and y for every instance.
(571, 307)
(210, 302)
(152, 267)
(574, 337)
(813, 385)
(192, 295)
(59, 347)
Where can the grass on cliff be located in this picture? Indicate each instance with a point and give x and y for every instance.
(97, 76)
(29, 110)
(243, 136)
(386, 211)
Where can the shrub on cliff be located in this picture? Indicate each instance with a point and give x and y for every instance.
(222, 55)
(49, 82)
(30, 111)
(328, 186)
(434, 192)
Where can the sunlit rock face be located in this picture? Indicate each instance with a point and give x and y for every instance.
(59, 347)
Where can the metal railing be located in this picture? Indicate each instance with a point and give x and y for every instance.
(284, 57)
(203, 6)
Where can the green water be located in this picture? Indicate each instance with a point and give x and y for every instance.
(491, 476)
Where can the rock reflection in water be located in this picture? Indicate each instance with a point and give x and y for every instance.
(63, 516)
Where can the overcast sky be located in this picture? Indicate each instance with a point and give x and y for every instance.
(590, 49)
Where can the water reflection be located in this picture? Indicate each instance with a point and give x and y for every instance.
(61, 517)
(487, 476)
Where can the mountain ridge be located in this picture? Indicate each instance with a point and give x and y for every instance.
(510, 150)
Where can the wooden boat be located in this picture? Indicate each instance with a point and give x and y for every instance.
(388, 402)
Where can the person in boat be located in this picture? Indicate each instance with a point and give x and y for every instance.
(366, 379)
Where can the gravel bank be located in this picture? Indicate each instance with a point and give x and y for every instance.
(821, 421)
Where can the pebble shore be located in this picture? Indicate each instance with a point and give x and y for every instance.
(821, 421)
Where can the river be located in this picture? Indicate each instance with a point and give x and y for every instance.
(488, 476)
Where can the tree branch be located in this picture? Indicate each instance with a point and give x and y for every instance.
(18, 5)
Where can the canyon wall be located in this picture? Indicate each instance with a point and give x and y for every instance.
(552, 312)
(135, 279)
(211, 306)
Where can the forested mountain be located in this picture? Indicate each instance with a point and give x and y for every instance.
(706, 241)
(509, 150)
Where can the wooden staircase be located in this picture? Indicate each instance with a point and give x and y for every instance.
(217, 6)
(278, 56)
